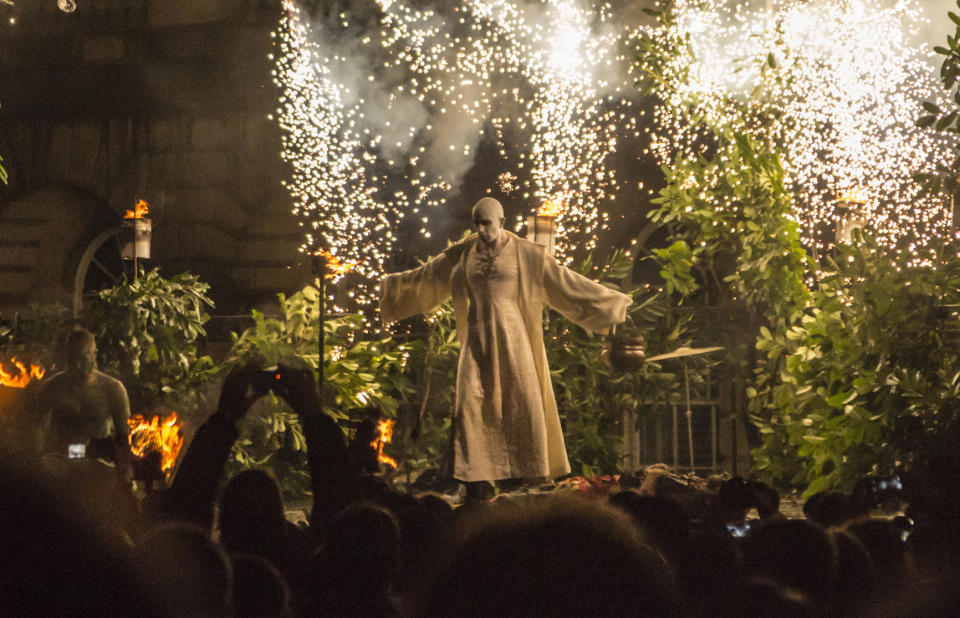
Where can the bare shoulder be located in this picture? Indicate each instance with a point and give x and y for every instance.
(108, 383)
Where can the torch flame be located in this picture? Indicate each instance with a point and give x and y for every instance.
(857, 195)
(335, 266)
(22, 376)
(384, 436)
(163, 437)
(139, 211)
(551, 208)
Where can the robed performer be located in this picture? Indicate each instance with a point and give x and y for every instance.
(505, 423)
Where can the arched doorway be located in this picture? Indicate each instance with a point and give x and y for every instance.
(43, 235)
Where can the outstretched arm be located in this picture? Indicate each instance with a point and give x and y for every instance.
(417, 290)
(586, 303)
(193, 492)
(331, 475)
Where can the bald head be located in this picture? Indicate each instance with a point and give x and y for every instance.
(488, 220)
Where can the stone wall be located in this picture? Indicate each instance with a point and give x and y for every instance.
(164, 100)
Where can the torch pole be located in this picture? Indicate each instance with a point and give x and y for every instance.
(321, 304)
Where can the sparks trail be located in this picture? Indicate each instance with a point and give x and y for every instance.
(804, 76)
(382, 124)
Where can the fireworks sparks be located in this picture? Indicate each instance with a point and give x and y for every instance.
(836, 86)
(383, 121)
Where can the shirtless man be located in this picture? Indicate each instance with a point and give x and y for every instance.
(81, 402)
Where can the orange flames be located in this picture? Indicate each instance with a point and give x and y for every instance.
(384, 436)
(22, 376)
(139, 211)
(163, 437)
(335, 266)
(857, 195)
(551, 208)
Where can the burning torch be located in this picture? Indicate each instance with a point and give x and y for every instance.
(542, 227)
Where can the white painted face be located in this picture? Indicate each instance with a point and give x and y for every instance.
(488, 220)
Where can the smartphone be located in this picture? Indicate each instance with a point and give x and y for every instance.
(738, 531)
(76, 451)
(266, 380)
(888, 485)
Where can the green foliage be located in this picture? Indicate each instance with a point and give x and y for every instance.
(866, 382)
(945, 120)
(850, 378)
(357, 373)
(147, 331)
(656, 56)
(33, 339)
(733, 208)
(433, 362)
(734, 204)
(676, 263)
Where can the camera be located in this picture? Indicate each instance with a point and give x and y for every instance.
(94, 448)
(267, 380)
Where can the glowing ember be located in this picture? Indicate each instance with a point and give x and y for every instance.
(854, 196)
(22, 376)
(164, 437)
(139, 212)
(384, 436)
(550, 208)
(335, 266)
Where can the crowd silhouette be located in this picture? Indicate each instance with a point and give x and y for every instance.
(73, 547)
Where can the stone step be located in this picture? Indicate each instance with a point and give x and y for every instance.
(22, 230)
(17, 253)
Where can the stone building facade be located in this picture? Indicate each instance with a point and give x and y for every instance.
(162, 100)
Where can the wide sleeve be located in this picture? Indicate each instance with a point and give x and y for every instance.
(586, 303)
(415, 291)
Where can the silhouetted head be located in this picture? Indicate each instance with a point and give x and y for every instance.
(251, 515)
(831, 508)
(795, 553)
(259, 591)
(662, 520)
(707, 563)
(362, 551)
(734, 499)
(561, 557)
(766, 499)
(186, 573)
(54, 558)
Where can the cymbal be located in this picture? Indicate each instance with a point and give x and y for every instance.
(682, 352)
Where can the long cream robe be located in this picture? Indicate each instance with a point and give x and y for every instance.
(541, 280)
